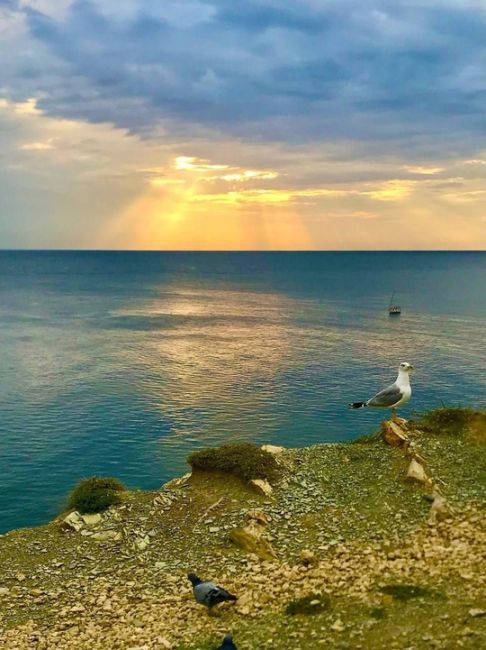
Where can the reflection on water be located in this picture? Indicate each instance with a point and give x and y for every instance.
(123, 363)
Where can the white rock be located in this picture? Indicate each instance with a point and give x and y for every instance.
(177, 482)
(416, 471)
(262, 486)
(74, 521)
(439, 509)
(337, 626)
(106, 535)
(91, 520)
(273, 449)
(142, 542)
(477, 613)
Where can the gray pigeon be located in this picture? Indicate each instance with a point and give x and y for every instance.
(207, 593)
(227, 643)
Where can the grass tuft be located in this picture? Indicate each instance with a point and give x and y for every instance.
(308, 605)
(378, 613)
(95, 494)
(406, 592)
(454, 421)
(245, 460)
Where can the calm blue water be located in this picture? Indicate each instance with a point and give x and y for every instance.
(122, 363)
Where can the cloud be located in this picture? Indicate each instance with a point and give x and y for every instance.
(194, 164)
(422, 170)
(195, 122)
(37, 146)
(402, 73)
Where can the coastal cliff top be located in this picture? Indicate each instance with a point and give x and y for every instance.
(346, 551)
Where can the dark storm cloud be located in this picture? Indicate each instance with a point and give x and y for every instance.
(264, 69)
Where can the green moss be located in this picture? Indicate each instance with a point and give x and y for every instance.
(378, 613)
(454, 421)
(245, 460)
(95, 494)
(406, 592)
(308, 605)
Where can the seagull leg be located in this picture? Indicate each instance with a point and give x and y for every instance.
(394, 414)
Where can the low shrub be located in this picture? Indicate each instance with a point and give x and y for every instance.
(406, 592)
(453, 421)
(95, 494)
(308, 605)
(378, 613)
(244, 459)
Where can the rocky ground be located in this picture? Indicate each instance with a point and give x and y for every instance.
(347, 553)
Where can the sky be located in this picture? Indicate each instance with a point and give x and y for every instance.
(261, 124)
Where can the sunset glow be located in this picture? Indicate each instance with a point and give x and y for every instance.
(269, 170)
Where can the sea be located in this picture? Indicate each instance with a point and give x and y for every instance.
(122, 363)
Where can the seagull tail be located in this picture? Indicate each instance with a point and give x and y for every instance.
(357, 405)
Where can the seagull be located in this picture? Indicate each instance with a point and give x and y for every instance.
(228, 643)
(208, 593)
(394, 395)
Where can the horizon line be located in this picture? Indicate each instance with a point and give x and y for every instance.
(242, 250)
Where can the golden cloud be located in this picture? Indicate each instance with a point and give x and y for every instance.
(190, 163)
(266, 195)
(426, 171)
(246, 175)
(394, 190)
(37, 146)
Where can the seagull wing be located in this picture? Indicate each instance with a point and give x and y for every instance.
(386, 397)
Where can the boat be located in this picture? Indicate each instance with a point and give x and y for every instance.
(394, 310)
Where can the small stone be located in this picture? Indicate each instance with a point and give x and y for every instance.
(337, 626)
(105, 535)
(78, 608)
(393, 434)
(250, 540)
(416, 471)
(142, 542)
(262, 486)
(4, 591)
(477, 613)
(73, 521)
(260, 517)
(439, 509)
(92, 519)
(273, 449)
(307, 557)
